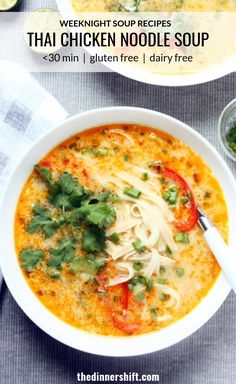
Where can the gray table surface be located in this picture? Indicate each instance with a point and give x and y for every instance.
(28, 355)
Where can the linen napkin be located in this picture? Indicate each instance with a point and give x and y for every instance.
(27, 110)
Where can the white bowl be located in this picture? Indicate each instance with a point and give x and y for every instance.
(212, 73)
(34, 309)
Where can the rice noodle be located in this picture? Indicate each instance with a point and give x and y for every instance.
(142, 187)
(122, 133)
(154, 265)
(122, 227)
(175, 297)
(122, 278)
(148, 219)
(141, 170)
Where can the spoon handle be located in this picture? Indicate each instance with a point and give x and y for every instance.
(224, 255)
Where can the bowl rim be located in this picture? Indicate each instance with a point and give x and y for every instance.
(30, 304)
(214, 72)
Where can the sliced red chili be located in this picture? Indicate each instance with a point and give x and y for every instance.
(189, 213)
(125, 297)
(46, 164)
(124, 326)
(85, 173)
(122, 321)
(66, 161)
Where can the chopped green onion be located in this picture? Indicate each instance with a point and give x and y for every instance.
(95, 152)
(162, 281)
(131, 287)
(173, 188)
(115, 238)
(115, 198)
(137, 265)
(163, 296)
(145, 176)
(103, 151)
(140, 296)
(171, 195)
(135, 280)
(163, 181)
(150, 164)
(153, 311)
(138, 246)
(184, 200)
(132, 192)
(180, 272)
(142, 279)
(166, 195)
(149, 285)
(86, 152)
(126, 158)
(182, 237)
(168, 250)
(138, 280)
(162, 270)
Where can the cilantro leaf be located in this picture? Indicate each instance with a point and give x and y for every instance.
(99, 197)
(66, 193)
(93, 239)
(64, 254)
(100, 214)
(42, 221)
(45, 173)
(74, 218)
(60, 200)
(67, 183)
(77, 196)
(77, 264)
(31, 258)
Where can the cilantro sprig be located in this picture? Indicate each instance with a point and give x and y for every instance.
(64, 254)
(101, 214)
(93, 239)
(66, 193)
(45, 173)
(31, 258)
(42, 221)
(81, 212)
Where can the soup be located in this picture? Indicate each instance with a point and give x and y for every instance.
(106, 230)
(154, 5)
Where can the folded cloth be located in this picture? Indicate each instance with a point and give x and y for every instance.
(27, 110)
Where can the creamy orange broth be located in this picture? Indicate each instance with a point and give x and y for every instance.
(79, 303)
